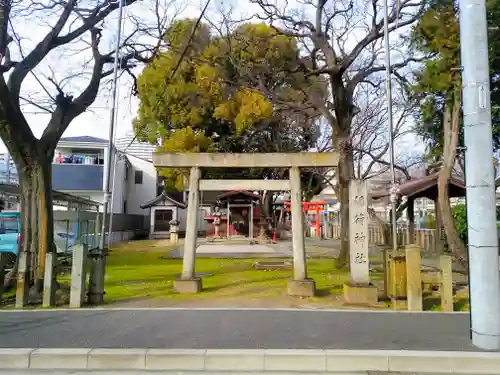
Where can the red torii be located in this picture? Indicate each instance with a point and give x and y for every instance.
(312, 206)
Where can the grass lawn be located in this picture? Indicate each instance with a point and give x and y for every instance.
(136, 275)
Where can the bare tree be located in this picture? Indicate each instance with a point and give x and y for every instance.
(79, 31)
(342, 41)
(370, 132)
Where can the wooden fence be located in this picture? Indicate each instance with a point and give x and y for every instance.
(425, 238)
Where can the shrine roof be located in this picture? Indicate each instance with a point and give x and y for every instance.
(424, 187)
(233, 193)
(160, 198)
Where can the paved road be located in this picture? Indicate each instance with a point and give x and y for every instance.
(226, 329)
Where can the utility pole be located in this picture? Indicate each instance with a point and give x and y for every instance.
(98, 268)
(388, 93)
(484, 274)
(112, 118)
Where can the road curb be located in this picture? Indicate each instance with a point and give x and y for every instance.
(252, 360)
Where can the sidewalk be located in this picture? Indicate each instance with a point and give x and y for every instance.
(272, 361)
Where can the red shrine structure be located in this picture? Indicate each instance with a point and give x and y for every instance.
(314, 208)
(240, 215)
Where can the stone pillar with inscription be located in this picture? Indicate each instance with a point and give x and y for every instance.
(359, 290)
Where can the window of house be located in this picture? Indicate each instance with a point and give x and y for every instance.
(138, 177)
(126, 172)
(124, 206)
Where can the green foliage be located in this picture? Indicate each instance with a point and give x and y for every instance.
(430, 221)
(460, 215)
(438, 35)
(232, 93)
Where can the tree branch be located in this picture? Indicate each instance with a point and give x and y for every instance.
(52, 40)
(38, 53)
(68, 109)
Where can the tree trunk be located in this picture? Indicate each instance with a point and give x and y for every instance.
(37, 230)
(345, 173)
(451, 133)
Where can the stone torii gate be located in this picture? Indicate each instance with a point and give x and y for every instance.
(300, 285)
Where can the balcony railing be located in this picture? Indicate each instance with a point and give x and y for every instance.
(77, 177)
(87, 159)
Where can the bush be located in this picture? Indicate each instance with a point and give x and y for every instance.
(460, 215)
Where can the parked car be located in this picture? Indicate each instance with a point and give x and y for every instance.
(10, 227)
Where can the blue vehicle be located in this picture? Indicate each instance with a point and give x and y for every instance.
(10, 228)
(10, 233)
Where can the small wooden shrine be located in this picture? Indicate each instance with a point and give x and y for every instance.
(239, 215)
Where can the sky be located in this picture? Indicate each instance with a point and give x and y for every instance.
(68, 61)
(96, 120)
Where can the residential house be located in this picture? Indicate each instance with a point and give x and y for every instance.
(79, 168)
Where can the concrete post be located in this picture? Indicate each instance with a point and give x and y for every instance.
(446, 286)
(413, 278)
(96, 279)
(49, 281)
(484, 277)
(300, 285)
(78, 276)
(188, 283)
(23, 279)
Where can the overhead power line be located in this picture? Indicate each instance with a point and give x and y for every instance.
(169, 79)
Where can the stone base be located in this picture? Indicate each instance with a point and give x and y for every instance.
(190, 286)
(174, 238)
(302, 288)
(360, 294)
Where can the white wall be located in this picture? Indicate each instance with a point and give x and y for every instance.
(140, 193)
(119, 186)
(134, 194)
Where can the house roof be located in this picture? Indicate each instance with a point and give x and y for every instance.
(232, 193)
(14, 190)
(163, 196)
(423, 187)
(84, 139)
